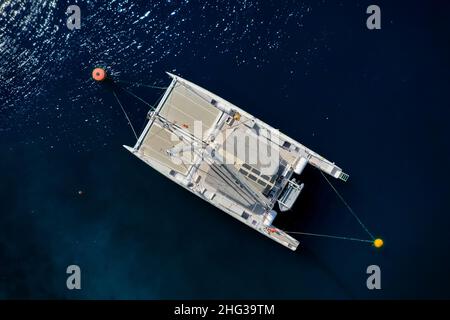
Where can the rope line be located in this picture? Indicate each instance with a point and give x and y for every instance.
(143, 85)
(125, 113)
(328, 236)
(348, 207)
(137, 97)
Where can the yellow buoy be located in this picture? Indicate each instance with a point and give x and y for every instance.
(378, 243)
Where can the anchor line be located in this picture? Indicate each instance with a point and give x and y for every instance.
(334, 236)
(328, 236)
(125, 113)
(348, 207)
(142, 85)
(137, 97)
(153, 107)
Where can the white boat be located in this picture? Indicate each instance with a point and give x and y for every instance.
(227, 157)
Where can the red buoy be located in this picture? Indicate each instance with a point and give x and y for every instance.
(99, 74)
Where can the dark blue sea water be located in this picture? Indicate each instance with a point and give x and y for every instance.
(375, 102)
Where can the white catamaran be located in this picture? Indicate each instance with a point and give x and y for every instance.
(226, 156)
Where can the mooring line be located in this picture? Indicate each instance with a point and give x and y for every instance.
(137, 97)
(348, 206)
(125, 113)
(143, 85)
(328, 236)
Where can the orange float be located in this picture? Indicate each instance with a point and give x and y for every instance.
(99, 74)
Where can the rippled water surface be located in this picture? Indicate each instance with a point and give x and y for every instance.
(375, 102)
